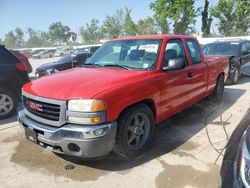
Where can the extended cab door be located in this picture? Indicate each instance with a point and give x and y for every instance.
(198, 71)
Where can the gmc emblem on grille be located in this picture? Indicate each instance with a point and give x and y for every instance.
(35, 106)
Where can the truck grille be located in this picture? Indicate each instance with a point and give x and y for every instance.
(42, 109)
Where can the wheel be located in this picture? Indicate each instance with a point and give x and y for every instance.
(219, 89)
(134, 131)
(236, 76)
(8, 103)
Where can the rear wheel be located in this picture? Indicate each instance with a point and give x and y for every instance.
(134, 131)
(8, 103)
(219, 89)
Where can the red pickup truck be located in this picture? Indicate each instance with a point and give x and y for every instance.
(114, 102)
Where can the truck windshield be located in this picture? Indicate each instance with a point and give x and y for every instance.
(128, 54)
(221, 49)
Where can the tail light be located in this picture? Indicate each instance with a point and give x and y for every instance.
(21, 67)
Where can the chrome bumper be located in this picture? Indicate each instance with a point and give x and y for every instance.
(75, 140)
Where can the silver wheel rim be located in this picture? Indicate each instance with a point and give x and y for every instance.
(6, 104)
(236, 75)
(138, 131)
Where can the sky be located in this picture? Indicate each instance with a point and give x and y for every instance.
(39, 14)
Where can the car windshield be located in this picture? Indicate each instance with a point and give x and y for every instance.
(129, 54)
(221, 49)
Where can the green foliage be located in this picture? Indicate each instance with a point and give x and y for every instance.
(19, 37)
(206, 20)
(147, 26)
(180, 13)
(14, 39)
(233, 16)
(10, 39)
(36, 39)
(91, 33)
(129, 25)
(58, 33)
(113, 25)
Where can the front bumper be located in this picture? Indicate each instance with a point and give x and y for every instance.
(75, 140)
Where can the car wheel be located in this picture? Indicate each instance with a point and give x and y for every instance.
(8, 103)
(219, 89)
(236, 76)
(134, 131)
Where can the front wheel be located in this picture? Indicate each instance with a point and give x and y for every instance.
(219, 89)
(134, 131)
(8, 103)
(236, 76)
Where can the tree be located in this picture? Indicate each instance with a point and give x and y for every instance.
(58, 33)
(180, 13)
(233, 16)
(113, 25)
(91, 33)
(129, 25)
(10, 39)
(19, 37)
(206, 20)
(34, 39)
(147, 26)
(242, 15)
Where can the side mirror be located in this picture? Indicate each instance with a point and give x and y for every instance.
(245, 52)
(175, 64)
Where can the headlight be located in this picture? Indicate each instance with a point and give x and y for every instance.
(90, 111)
(86, 105)
(51, 70)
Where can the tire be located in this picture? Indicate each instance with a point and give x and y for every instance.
(133, 136)
(236, 76)
(219, 89)
(8, 103)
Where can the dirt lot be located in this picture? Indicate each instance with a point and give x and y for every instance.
(180, 155)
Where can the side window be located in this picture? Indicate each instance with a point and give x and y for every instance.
(243, 48)
(248, 46)
(174, 49)
(194, 51)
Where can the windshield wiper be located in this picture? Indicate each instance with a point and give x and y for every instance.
(117, 65)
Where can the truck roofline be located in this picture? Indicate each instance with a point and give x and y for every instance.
(153, 37)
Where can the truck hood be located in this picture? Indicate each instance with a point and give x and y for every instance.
(80, 83)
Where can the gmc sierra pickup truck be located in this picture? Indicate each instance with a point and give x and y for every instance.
(114, 102)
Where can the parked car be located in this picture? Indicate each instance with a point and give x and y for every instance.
(26, 52)
(13, 74)
(23, 59)
(235, 170)
(126, 88)
(66, 62)
(43, 54)
(63, 51)
(36, 51)
(237, 50)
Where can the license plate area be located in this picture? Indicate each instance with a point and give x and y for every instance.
(31, 134)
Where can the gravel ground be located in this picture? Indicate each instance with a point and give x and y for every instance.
(180, 154)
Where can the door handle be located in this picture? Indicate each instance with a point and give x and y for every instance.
(190, 74)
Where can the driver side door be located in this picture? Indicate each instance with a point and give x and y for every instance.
(176, 84)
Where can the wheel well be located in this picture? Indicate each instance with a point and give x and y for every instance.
(222, 73)
(149, 102)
